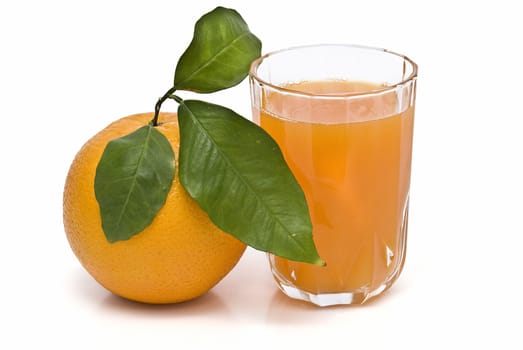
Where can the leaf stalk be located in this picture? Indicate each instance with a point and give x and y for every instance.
(158, 105)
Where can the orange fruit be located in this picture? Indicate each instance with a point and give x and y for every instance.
(179, 256)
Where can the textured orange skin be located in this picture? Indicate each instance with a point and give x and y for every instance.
(180, 256)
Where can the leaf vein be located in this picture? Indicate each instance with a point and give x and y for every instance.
(214, 57)
(134, 181)
(242, 179)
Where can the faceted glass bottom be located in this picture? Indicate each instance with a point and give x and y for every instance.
(354, 296)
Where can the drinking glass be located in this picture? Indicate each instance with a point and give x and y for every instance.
(343, 117)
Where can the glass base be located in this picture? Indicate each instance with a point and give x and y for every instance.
(330, 299)
(353, 297)
(356, 296)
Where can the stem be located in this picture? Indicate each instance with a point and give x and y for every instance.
(159, 105)
(176, 98)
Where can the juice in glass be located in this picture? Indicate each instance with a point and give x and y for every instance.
(349, 144)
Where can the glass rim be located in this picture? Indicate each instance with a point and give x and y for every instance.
(257, 62)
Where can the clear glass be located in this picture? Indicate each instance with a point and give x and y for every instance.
(343, 116)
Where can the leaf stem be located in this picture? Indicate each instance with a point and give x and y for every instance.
(176, 98)
(158, 105)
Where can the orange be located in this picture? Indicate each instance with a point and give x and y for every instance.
(179, 256)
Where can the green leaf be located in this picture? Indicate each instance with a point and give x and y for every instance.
(219, 55)
(132, 181)
(237, 174)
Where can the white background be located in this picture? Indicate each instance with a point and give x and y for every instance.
(68, 68)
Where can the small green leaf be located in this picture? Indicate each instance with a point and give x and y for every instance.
(237, 174)
(219, 55)
(132, 181)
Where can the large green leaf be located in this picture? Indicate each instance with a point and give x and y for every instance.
(132, 181)
(237, 174)
(219, 55)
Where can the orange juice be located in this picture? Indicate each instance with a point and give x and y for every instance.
(353, 161)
